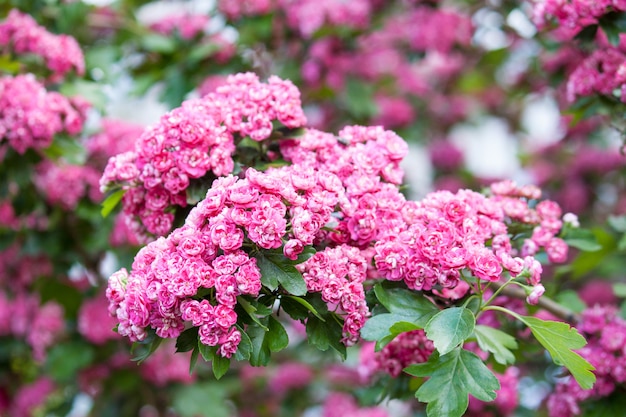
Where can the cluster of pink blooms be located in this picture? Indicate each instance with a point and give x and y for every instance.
(236, 9)
(114, 137)
(338, 274)
(187, 25)
(194, 140)
(285, 207)
(65, 184)
(308, 16)
(30, 116)
(383, 54)
(445, 234)
(20, 34)
(605, 332)
(404, 350)
(94, 322)
(28, 398)
(573, 13)
(22, 316)
(603, 72)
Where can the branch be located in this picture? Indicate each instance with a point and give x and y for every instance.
(545, 303)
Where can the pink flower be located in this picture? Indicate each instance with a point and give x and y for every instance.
(485, 265)
(557, 250)
(535, 294)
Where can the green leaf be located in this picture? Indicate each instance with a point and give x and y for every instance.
(325, 334)
(358, 99)
(451, 378)
(194, 359)
(304, 303)
(450, 327)
(571, 300)
(378, 326)
(621, 244)
(277, 336)
(207, 352)
(188, 340)
(245, 346)
(619, 289)
(559, 339)
(251, 310)
(68, 149)
(146, 347)
(497, 342)
(7, 65)
(406, 303)
(260, 352)
(277, 269)
(191, 400)
(618, 223)
(582, 239)
(158, 43)
(108, 205)
(64, 360)
(220, 366)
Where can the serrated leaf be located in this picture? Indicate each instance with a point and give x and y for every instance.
(207, 352)
(194, 359)
(260, 353)
(108, 205)
(188, 340)
(379, 326)
(286, 274)
(449, 328)
(406, 303)
(245, 346)
(325, 334)
(304, 303)
(560, 339)
(496, 342)
(277, 336)
(220, 366)
(451, 379)
(146, 347)
(252, 311)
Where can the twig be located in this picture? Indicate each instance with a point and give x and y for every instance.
(544, 302)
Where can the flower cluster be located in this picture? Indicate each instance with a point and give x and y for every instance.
(445, 234)
(308, 16)
(194, 140)
(236, 9)
(162, 290)
(20, 34)
(338, 274)
(186, 25)
(605, 332)
(405, 349)
(573, 13)
(65, 184)
(30, 116)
